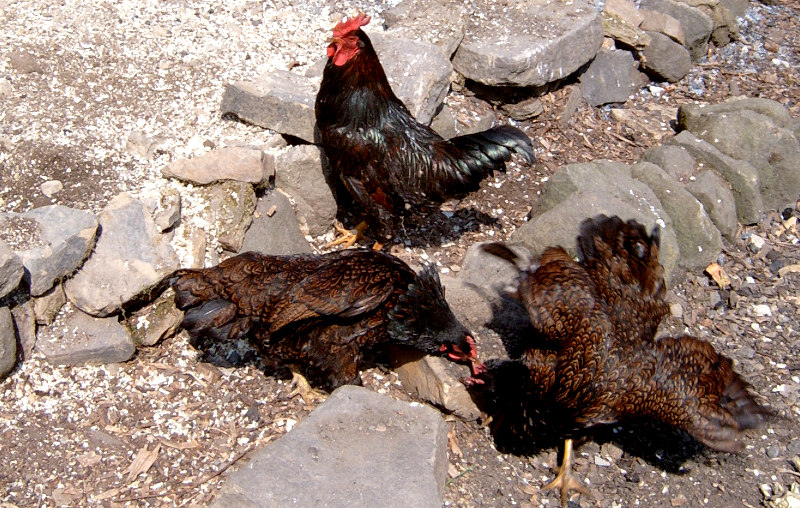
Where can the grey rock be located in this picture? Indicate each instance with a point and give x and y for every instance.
(675, 160)
(279, 100)
(25, 323)
(698, 238)
(130, 258)
(736, 7)
(693, 116)
(357, 449)
(231, 207)
(532, 43)
(663, 23)
(8, 342)
(275, 229)
(743, 178)
(76, 338)
(559, 224)
(51, 187)
(46, 306)
(144, 146)
(666, 59)
(11, 270)
(437, 381)
(299, 174)
(158, 320)
(697, 26)
(57, 239)
(438, 22)
(623, 32)
(772, 150)
(423, 89)
(24, 62)
(167, 212)
(611, 77)
(240, 163)
(444, 123)
(490, 273)
(523, 110)
(726, 27)
(714, 192)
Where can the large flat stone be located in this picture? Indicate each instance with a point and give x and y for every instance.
(357, 449)
(53, 241)
(279, 100)
(528, 43)
(76, 338)
(130, 258)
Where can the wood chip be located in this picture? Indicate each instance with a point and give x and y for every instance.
(718, 274)
(271, 211)
(451, 438)
(142, 462)
(788, 269)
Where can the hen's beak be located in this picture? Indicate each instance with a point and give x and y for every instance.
(455, 353)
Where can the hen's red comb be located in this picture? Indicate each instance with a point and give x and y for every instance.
(346, 26)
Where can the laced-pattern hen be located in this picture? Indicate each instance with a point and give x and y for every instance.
(598, 361)
(387, 160)
(329, 314)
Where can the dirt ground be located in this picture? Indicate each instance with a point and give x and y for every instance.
(164, 429)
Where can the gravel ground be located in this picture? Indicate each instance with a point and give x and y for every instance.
(77, 78)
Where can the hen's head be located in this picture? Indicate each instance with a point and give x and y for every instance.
(423, 319)
(346, 41)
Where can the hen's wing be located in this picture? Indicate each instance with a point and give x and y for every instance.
(685, 382)
(346, 286)
(622, 260)
(226, 300)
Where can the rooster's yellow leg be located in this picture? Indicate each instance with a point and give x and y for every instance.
(348, 237)
(565, 481)
(301, 386)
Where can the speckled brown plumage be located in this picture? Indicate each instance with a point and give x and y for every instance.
(328, 313)
(599, 361)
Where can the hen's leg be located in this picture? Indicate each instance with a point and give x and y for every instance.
(348, 237)
(301, 386)
(565, 481)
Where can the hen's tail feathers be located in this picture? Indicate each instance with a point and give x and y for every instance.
(206, 314)
(489, 150)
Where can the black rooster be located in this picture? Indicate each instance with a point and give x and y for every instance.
(387, 160)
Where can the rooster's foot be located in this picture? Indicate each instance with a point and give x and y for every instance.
(565, 481)
(301, 386)
(348, 237)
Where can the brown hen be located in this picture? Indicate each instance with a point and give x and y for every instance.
(330, 314)
(598, 361)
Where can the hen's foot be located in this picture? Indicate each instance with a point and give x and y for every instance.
(301, 386)
(565, 482)
(348, 237)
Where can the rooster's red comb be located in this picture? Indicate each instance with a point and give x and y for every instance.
(346, 26)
